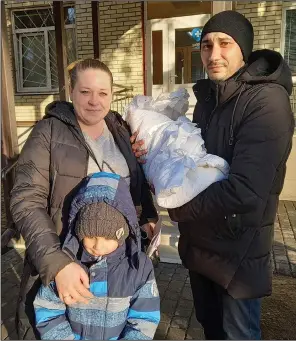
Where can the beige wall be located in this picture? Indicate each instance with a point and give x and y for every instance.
(266, 18)
(84, 30)
(121, 42)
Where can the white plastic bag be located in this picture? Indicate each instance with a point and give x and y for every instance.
(177, 163)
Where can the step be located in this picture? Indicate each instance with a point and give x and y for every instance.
(169, 254)
(168, 249)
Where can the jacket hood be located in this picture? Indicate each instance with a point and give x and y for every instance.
(267, 66)
(63, 111)
(109, 188)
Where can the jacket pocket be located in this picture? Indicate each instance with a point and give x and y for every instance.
(232, 227)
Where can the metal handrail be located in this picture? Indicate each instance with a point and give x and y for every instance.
(125, 97)
(7, 169)
(26, 131)
(128, 88)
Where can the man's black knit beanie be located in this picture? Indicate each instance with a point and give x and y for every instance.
(235, 25)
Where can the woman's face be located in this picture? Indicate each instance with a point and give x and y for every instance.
(91, 96)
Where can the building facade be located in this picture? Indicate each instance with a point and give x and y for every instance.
(147, 45)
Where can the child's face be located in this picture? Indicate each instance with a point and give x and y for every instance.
(99, 246)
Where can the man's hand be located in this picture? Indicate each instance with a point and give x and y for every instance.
(149, 229)
(137, 147)
(72, 283)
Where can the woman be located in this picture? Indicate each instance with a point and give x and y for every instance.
(71, 141)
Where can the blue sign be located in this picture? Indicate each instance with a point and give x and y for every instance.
(196, 34)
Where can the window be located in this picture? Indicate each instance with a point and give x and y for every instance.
(188, 66)
(289, 39)
(35, 48)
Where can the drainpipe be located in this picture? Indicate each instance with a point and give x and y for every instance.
(143, 19)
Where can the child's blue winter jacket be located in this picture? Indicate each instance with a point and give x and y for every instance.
(126, 302)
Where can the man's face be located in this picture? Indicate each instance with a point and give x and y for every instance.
(221, 56)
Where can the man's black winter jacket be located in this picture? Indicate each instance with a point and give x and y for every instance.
(226, 232)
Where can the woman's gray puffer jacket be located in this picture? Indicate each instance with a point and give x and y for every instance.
(52, 163)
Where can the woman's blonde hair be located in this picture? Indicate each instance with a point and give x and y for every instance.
(84, 64)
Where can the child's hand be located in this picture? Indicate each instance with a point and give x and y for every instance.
(72, 283)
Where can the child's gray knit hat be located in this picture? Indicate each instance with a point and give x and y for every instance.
(101, 220)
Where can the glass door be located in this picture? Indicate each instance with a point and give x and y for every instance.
(174, 56)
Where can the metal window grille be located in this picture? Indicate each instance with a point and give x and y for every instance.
(35, 47)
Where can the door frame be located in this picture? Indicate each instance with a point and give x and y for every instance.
(168, 64)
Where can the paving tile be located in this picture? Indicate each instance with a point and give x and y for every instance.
(194, 323)
(179, 277)
(168, 307)
(176, 286)
(293, 269)
(281, 259)
(279, 250)
(182, 270)
(292, 256)
(165, 318)
(161, 331)
(195, 334)
(183, 311)
(180, 322)
(8, 310)
(283, 269)
(187, 304)
(176, 334)
(187, 293)
(171, 295)
(7, 327)
(8, 286)
(164, 277)
(13, 336)
(11, 259)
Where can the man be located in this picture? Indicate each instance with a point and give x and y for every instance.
(226, 232)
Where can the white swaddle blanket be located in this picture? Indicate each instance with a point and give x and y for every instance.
(177, 163)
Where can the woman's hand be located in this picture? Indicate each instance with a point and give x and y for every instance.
(137, 147)
(72, 284)
(149, 229)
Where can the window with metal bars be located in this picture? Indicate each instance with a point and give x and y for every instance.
(35, 48)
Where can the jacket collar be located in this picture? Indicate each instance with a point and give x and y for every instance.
(221, 92)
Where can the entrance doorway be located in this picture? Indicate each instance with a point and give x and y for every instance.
(174, 56)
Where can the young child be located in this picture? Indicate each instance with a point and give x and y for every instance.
(104, 238)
